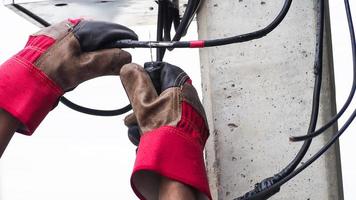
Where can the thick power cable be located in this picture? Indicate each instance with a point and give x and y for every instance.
(349, 99)
(192, 7)
(335, 137)
(167, 14)
(160, 27)
(266, 184)
(90, 111)
(262, 195)
(318, 71)
(210, 43)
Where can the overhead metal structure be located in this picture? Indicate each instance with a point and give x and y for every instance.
(126, 12)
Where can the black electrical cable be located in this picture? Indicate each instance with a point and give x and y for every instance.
(267, 183)
(168, 13)
(187, 18)
(339, 114)
(335, 137)
(318, 72)
(89, 111)
(160, 27)
(210, 43)
(253, 35)
(262, 195)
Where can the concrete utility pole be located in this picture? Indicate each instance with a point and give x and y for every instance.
(259, 93)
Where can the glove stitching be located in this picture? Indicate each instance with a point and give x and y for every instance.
(179, 105)
(175, 81)
(35, 48)
(203, 129)
(192, 124)
(43, 33)
(174, 104)
(36, 40)
(33, 41)
(177, 78)
(55, 46)
(176, 131)
(183, 79)
(30, 67)
(79, 26)
(183, 135)
(47, 35)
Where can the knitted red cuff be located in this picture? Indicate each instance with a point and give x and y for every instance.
(168, 152)
(26, 93)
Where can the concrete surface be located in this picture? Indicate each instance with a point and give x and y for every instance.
(259, 93)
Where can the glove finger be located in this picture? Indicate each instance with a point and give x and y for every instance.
(94, 35)
(154, 71)
(130, 120)
(134, 132)
(165, 75)
(58, 30)
(139, 88)
(101, 63)
(173, 76)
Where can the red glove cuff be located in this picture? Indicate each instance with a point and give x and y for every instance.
(26, 93)
(171, 152)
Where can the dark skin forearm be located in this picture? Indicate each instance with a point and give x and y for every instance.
(174, 190)
(8, 126)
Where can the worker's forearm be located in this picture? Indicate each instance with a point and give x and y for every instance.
(174, 190)
(8, 125)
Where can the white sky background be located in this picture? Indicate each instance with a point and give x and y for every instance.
(65, 158)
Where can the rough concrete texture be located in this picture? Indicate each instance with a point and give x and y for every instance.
(259, 93)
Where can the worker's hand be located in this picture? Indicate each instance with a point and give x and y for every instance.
(55, 60)
(161, 76)
(78, 51)
(170, 120)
